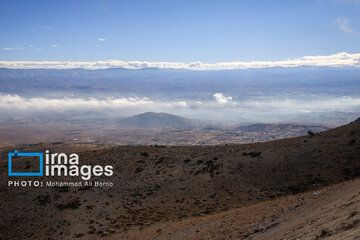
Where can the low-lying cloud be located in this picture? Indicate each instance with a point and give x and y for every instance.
(39, 103)
(218, 108)
(335, 60)
(221, 99)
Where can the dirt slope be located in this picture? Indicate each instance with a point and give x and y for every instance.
(329, 213)
(159, 185)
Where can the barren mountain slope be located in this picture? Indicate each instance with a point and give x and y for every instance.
(157, 184)
(330, 212)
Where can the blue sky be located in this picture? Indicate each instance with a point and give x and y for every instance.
(177, 31)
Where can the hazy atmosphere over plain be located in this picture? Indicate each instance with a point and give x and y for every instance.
(223, 61)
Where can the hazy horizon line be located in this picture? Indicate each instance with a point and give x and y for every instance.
(341, 59)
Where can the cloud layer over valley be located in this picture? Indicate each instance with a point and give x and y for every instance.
(220, 107)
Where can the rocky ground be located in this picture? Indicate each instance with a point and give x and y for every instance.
(327, 213)
(271, 190)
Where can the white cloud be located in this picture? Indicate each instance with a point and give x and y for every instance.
(343, 25)
(13, 48)
(341, 59)
(101, 39)
(39, 103)
(55, 45)
(221, 99)
(46, 27)
(8, 49)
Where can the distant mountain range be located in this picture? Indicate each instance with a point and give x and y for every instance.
(153, 120)
(181, 83)
(159, 121)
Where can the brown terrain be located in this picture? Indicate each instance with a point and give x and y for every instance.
(143, 129)
(305, 187)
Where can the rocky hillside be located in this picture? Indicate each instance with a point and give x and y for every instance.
(162, 186)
